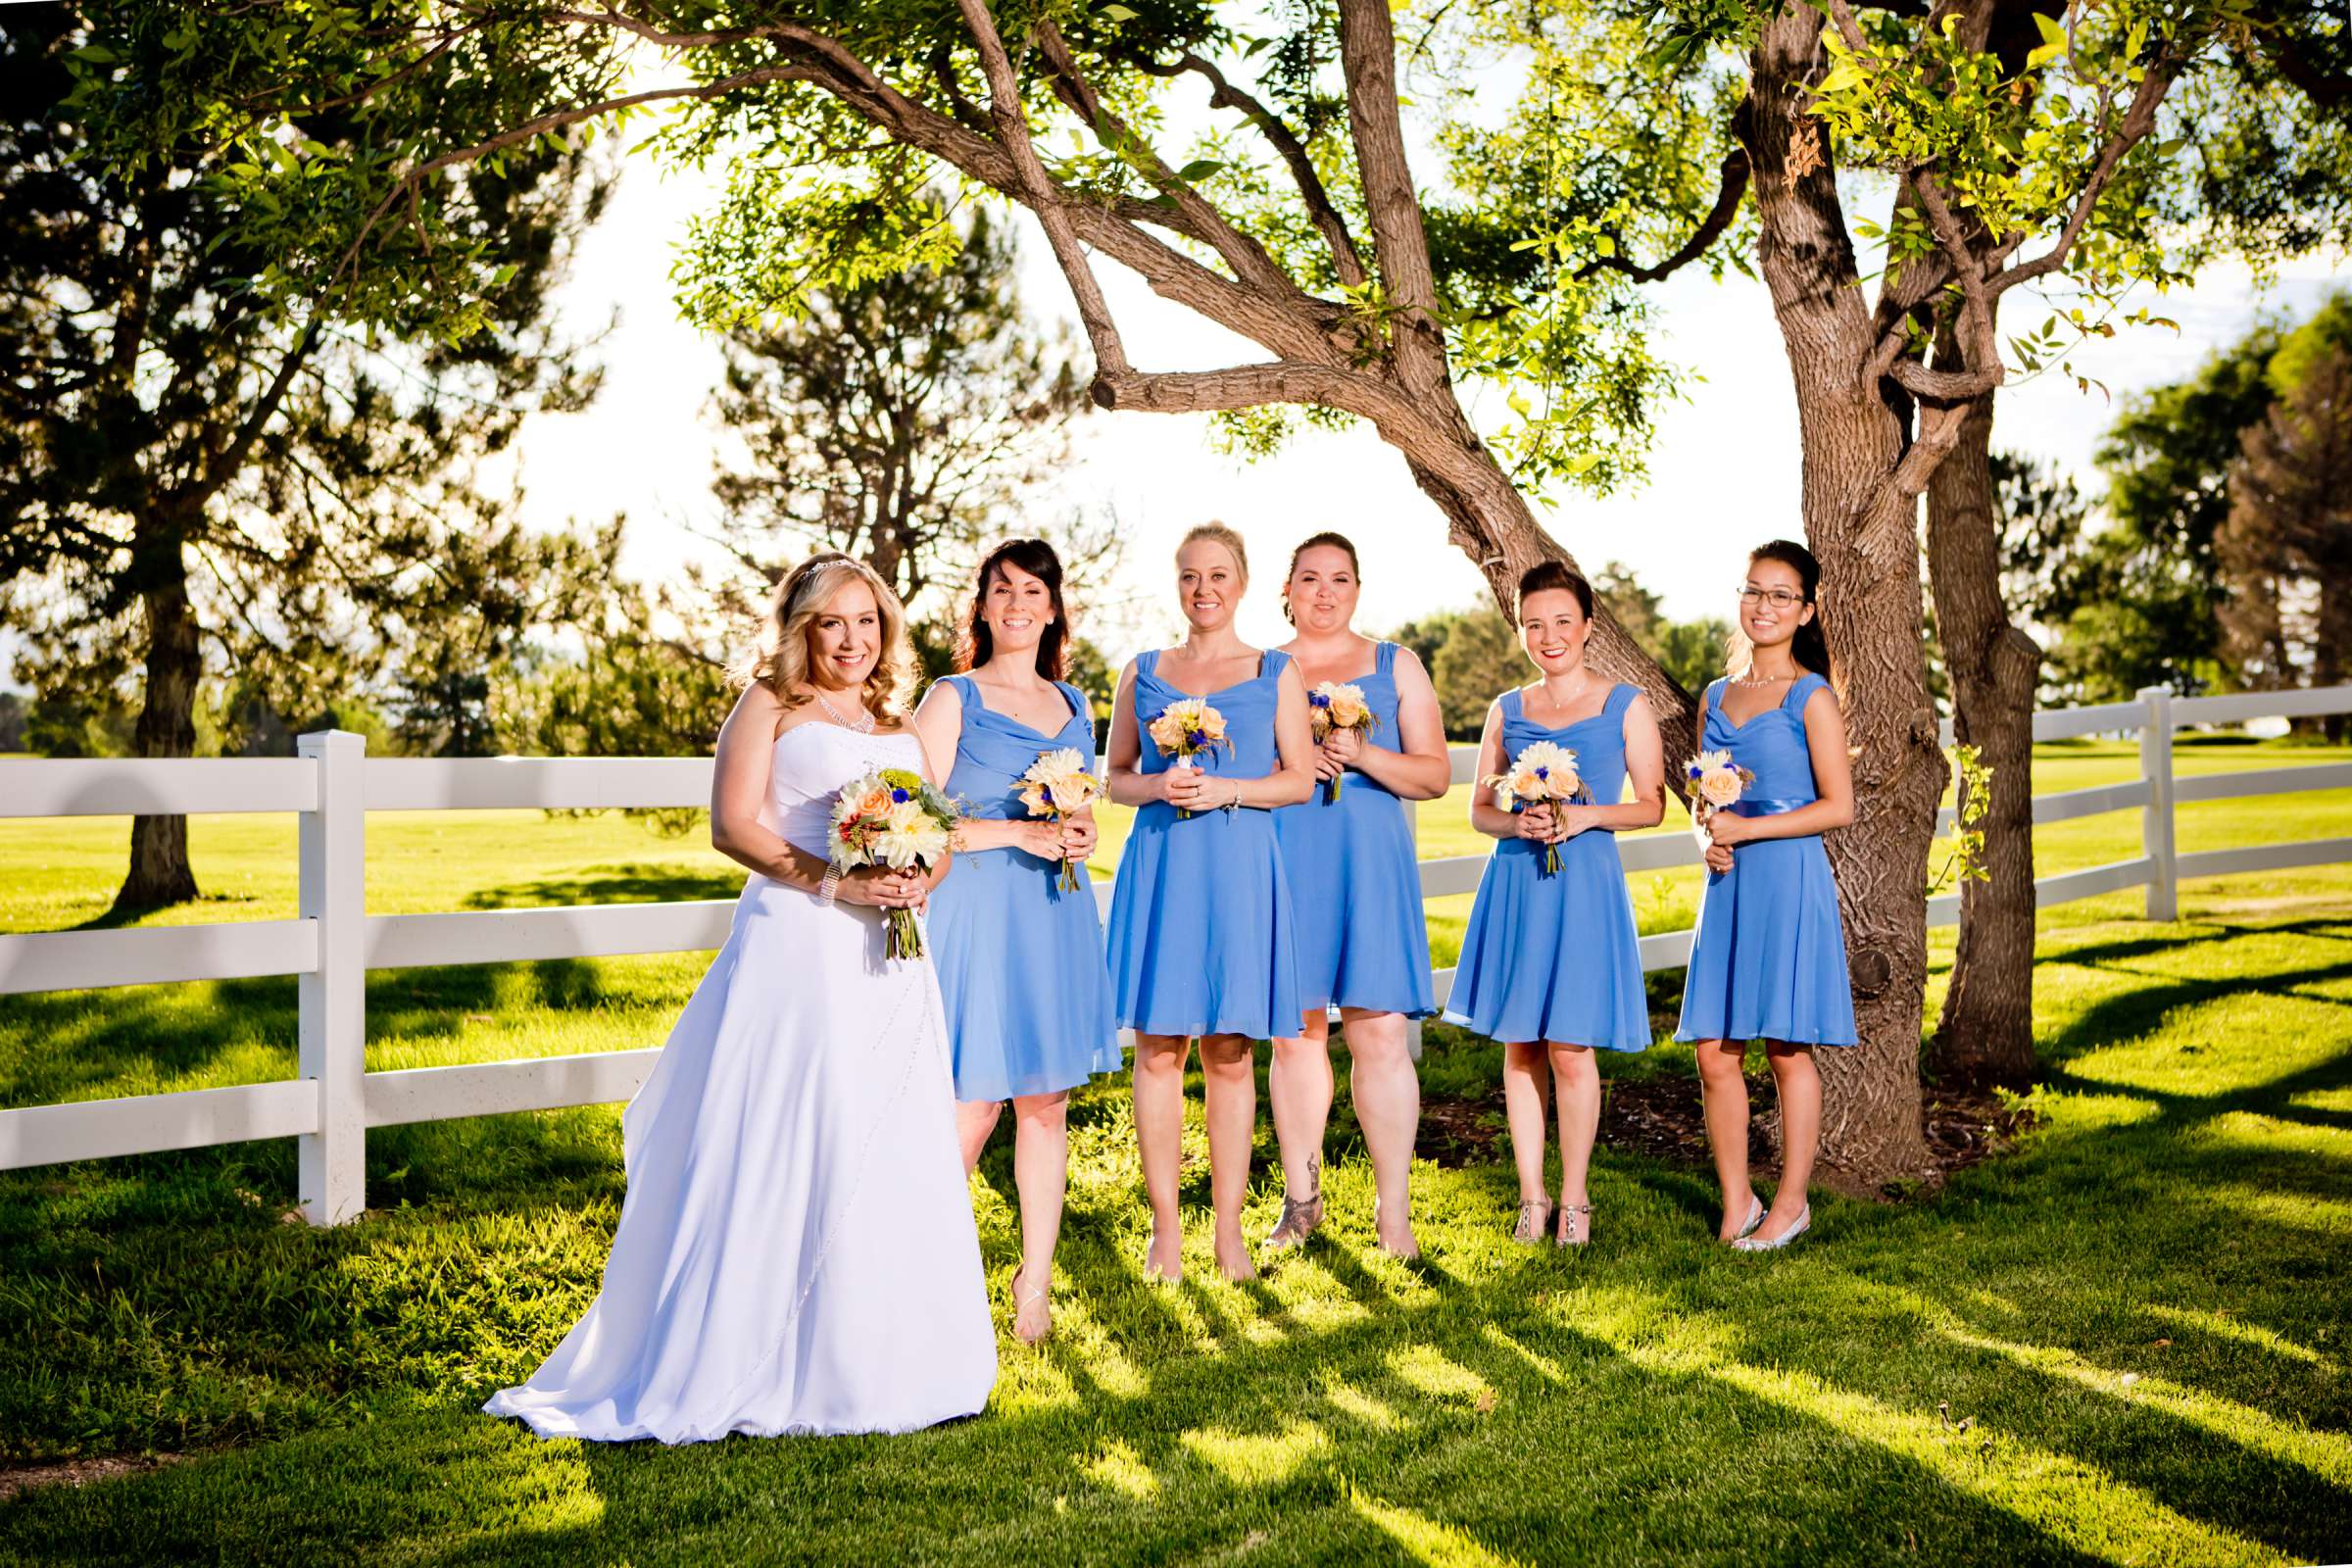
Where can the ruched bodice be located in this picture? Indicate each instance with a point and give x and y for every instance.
(994, 750)
(1248, 706)
(1771, 745)
(811, 764)
(1598, 742)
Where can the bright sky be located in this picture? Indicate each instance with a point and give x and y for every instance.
(1723, 466)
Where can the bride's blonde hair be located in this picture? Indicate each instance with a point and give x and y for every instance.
(779, 657)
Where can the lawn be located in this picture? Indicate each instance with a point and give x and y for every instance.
(2121, 1342)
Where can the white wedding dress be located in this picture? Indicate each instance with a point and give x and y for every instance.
(795, 1252)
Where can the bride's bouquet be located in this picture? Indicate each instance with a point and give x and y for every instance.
(1057, 786)
(1544, 772)
(1716, 784)
(1183, 730)
(892, 817)
(1333, 705)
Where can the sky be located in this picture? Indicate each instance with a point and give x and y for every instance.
(1723, 463)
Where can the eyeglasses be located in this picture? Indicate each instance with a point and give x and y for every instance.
(1778, 598)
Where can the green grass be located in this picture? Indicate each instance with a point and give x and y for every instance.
(2137, 1314)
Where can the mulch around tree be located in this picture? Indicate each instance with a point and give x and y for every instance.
(1660, 1117)
(78, 1472)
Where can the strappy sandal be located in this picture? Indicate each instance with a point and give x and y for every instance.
(1534, 1218)
(1565, 1235)
(1020, 1303)
(1300, 1216)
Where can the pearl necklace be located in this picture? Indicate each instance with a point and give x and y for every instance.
(863, 724)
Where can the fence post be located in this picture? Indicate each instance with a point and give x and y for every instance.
(2156, 817)
(333, 1162)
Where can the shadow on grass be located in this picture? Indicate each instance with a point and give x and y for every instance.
(637, 882)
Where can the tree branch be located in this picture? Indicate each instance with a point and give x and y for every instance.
(2138, 120)
(1013, 133)
(1347, 263)
(1369, 61)
(1243, 386)
(1245, 256)
(1710, 228)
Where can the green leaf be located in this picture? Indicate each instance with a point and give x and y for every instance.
(1116, 13)
(1200, 169)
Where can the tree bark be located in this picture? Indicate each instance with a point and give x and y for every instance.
(1986, 1033)
(160, 873)
(1862, 525)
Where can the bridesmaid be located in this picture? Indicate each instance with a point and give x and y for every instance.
(1356, 892)
(1201, 939)
(1551, 964)
(1768, 961)
(1019, 960)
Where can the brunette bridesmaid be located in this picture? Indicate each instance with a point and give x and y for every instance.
(1201, 940)
(1364, 945)
(1019, 957)
(1551, 964)
(1768, 960)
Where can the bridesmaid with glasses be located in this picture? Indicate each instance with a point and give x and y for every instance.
(1019, 957)
(1552, 962)
(1363, 946)
(1768, 960)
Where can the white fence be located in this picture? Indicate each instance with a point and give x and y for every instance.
(333, 941)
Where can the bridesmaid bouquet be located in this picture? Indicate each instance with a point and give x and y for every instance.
(1542, 773)
(1057, 786)
(1183, 730)
(1716, 783)
(892, 817)
(1335, 706)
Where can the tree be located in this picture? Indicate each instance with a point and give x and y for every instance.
(2286, 547)
(1529, 281)
(2269, 119)
(188, 462)
(906, 419)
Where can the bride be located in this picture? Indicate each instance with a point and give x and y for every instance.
(795, 1252)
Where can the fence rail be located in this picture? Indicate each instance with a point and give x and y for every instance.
(334, 942)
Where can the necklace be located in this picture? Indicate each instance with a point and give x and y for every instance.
(1758, 680)
(863, 724)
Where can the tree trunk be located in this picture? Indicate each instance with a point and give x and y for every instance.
(1865, 531)
(1986, 1034)
(159, 872)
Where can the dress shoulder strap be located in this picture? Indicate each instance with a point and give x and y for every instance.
(1712, 697)
(1272, 663)
(1801, 690)
(1514, 705)
(1080, 705)
(1621, 697)
(1384, 659)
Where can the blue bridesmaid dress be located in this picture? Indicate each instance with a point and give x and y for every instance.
(1768, 961)
(1356, 886)
(1019, 961)
(1556, 956)
(1202, 931)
